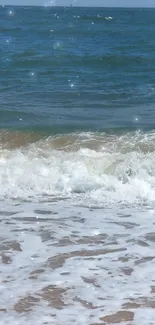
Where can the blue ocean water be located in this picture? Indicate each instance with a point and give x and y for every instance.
(65, 69)
(77, 166)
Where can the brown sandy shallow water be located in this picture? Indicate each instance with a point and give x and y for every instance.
(92, 267)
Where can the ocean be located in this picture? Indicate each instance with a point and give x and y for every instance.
(77, 166)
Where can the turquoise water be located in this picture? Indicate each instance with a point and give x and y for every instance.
(67, 69)
(77, 166)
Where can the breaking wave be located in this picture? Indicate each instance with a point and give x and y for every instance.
(93, 167)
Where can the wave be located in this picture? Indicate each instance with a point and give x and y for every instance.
(29, 60)
(95, 17)
(11, 29)
(93, 167)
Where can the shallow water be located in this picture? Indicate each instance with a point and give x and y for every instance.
(63, 261)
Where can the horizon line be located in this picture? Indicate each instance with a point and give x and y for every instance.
(76, 6)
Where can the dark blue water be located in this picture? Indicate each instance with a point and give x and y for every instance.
(67, 69)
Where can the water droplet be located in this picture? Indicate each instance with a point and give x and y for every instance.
(32, 74)
(8, 40)
(71, 85)
(58, 46)
(135, 119)
(49, 3)
(11, 12)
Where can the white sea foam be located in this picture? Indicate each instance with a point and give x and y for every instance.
(109, 18)
(72, 253)
(104, 170)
